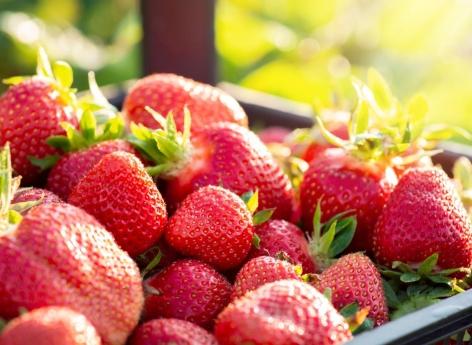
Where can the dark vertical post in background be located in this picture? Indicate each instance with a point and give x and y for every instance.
(179, 37)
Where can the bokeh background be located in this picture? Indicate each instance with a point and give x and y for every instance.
(305, 50)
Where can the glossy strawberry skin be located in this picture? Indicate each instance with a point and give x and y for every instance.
(344, 183)
(31, 112)
(354, 278)
(50, 326)
(68, 171)
(169, 92)
(171, 331)
(233, 157)
(188, 290)
(123, 197)
(36, 194)
(299, 314)
(81, 267)
(259, 271)
(281, 236)
(423, 216)
(212, 225)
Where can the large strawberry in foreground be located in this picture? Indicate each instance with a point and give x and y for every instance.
(50, 326)
(59, 255)
(32, 110)
(222, 154)
(280, 313)
(124, 198)
(424, 216)
(172, 93)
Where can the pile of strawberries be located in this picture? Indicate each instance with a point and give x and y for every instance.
(171, 222)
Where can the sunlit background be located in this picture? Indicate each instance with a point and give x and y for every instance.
(305, 50)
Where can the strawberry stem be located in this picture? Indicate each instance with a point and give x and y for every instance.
(8, 186)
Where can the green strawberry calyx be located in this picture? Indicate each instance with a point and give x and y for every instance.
(59, 75)
(251, 199)
(331, 238)
(9, 218)
(169, 149)
(356, 318)
(412, 287)
(381, 128)
(153, 263)
(99, 121)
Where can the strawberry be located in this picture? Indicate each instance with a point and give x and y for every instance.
(187, 289)
(124, 198)
(343, 183)
(172, 93)
(223, 154)
(71, 167)
(277, 236)
(281, 312)
(424, 216)
(273, 134)
(171, 331)
(35, 194)
(32, 110)
(81, 266)
(355, 279)
(50, 326)
(262, 270)
(213, 225)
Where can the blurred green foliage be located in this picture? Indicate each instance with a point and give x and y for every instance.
(94, 35)
(307, 49)
(301, 49)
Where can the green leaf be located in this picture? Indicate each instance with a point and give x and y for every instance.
(349, 310)
(380, 89)
(262, 216)
(440, 279)
(88, 126)
(327, 239)
(63, 73)
(152, 264)
(44, 163)
(344, 237)
(401, 266)
(158, 117)
(246, 196)
(462, 172)
(328, 293)
(43, 66)
(253, 202)
(427, 266)
(15, 80)
(330, 137)
(6, 194)
(187, 125)
(59, 142)
(390, 295)
(410, 277)
(256, 241)
(317, 222)
(438, 132)
(417, 108)
(14, 217)
(367, 325)
(360, 118)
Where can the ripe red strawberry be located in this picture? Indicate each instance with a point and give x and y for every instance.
(423, 216)
(171, 93)
(32, 110)
(281, 236)
(223, 154)
(262, 270)
(273, 134)
(188, 290)
(50, 326)
(71, 167)
(281, 312)
(343, 183)
(355, 279)
(81, 267)
(123, 197)
(171, 331)
(213, 225)
(36, 194)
